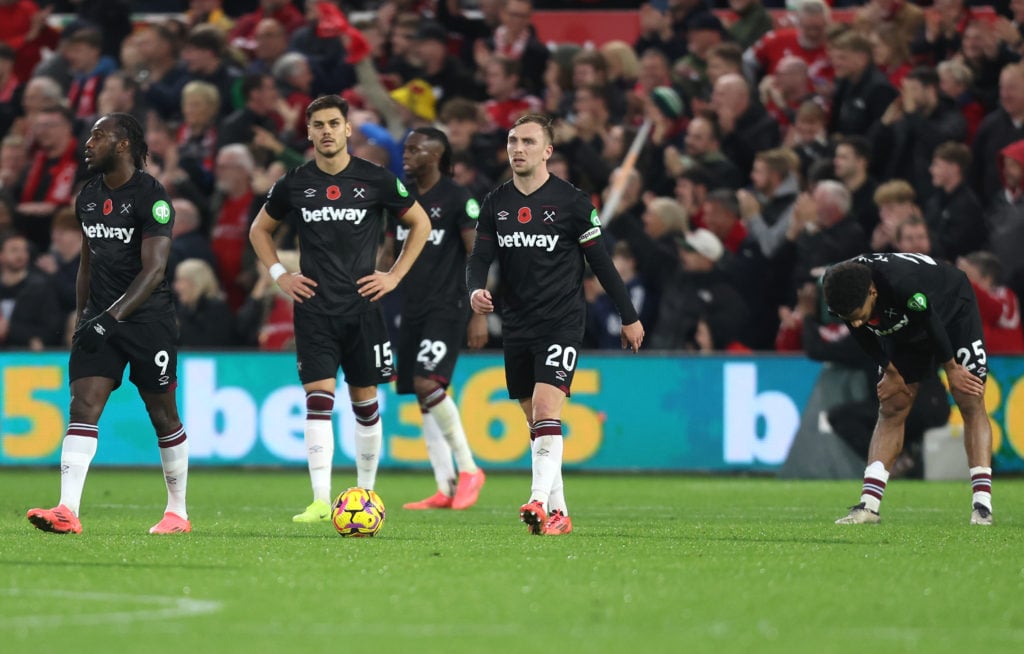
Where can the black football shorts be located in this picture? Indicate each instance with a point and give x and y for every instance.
(359, 344)
(150, 348)
(541, 362)
(429, 348)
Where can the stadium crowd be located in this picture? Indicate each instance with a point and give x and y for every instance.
(780, 142)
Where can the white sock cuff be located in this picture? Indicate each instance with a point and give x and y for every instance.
(980, 470)
(877, 471)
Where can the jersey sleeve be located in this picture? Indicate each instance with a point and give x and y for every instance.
(586, 222)
(278, 203)
(484, 247)
(393, 194)
(155, 213)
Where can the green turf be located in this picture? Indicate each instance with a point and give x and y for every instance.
(656, 564)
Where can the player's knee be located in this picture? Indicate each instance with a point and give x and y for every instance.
(85, 409)
(426, 389)
(895, 407)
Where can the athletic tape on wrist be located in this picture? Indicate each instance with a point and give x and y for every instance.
(277, 270)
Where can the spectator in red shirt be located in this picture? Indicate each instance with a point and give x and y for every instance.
(236, 205)
(508, 101)
(956, 81)
(283, 11)
(807, 41)
(722, 218)
(1000, 308)
(50, 178)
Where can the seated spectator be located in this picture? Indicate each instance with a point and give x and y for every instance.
(507, 99)
(204, 319)
(746, 127)
(463, 123)
(703, 149)
(722, 218)
(956, 81)
(783, 92)
(982, 52)
(13, 160)
(666, 111)
(61, 262)
(283, 11)
(30, 316)
(266, 320)
(954, 213)
(158, 70)
(1005, 216)
(514, 38)
(808, 138)
(891, 55)
(724, 59)
(938, 38)
(999, 129)
(196, 137)
(466, 175)
(590, 68)
(582, 139)
(623, 222)
(703, 33)
(902, 16)
(699, 290)
(188, 241)
(206, 59)
(235, 204)
(83, 51)
(895, 202)
(623, 65)
(261, 110)
(444, 72)
(999, 306)
(912, 236)
(270, 42)
(295, 78)
(603, 323)
(752, 22)
(767, 216)
(657, 255)
(691, 190)
(50, 179)
(807, 41)
(850, 164)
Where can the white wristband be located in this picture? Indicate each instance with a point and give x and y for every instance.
(277, 270)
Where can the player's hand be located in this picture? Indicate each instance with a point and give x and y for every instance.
(94, 332)
(481, 301)
(891, 385)
(477, 331)
(632, 336)
(297, 286)
(377, 285)
(962, 381)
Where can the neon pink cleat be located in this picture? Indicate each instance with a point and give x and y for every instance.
(172, 523)
(436, 501)
(533, 515)
(58, 520)
(559, 524)
(468, 490)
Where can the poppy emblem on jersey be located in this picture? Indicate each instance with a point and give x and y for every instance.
(502, 215)
(550, 213)
(333, 192)
(435, 212)
(359, 192)
(525, 215)
(108, 206)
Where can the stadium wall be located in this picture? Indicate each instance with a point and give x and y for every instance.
(647, 412)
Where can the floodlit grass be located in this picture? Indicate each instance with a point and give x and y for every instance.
(656, 564)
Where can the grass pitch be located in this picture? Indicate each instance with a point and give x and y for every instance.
(656, 564)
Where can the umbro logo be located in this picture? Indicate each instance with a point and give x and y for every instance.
(310, 192)
(89, 207)
(502, 215)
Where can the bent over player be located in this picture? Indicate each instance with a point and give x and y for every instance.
(125, 317)
(910, 313)
(336, 205)
(434, 312)
(541, 228)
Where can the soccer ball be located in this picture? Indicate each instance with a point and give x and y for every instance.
(358, 512)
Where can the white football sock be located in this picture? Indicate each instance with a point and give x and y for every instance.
(76, 454)
(440, 455)
(875, 479)
(368, 445)
(556, 501)
(981, 478)
(447, 416)
(319, 439)
(547, 461)
(174, 461)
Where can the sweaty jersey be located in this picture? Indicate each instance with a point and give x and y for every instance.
(917, 298)
(339, 219)
(115, 221)
(437, 280)
(539, 240)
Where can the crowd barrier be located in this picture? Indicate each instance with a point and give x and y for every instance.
(644, 412)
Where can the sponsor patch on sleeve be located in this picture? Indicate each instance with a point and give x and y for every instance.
(917, 302)
(472, 209)
(161, 211)
(590, 234)
(402, 191)
(595, 219)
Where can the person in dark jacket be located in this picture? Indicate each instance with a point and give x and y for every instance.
(746, 127)
(954, 213)
(204, 318)
(862, 92)
(29, 311)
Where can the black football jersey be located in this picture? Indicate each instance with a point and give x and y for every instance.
(540, 239)
(436, 283)
(339, 220)
(115, 221)
(917, 297)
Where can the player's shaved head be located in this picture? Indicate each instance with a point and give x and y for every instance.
(438, 140)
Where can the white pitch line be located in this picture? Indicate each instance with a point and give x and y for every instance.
(160, 608)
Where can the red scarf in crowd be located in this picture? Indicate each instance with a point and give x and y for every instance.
(82, 96)
(61, 173)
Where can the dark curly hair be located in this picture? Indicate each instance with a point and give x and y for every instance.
(129, 127)
(846, 286)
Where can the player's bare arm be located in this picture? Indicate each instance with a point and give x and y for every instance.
(380, 283)
(476, 332)
(296, 285)
(961, 380)
(155, 252)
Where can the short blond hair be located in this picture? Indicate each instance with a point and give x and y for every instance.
(624, 55)
(781, 161)
(897, 191)
(672, 214)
